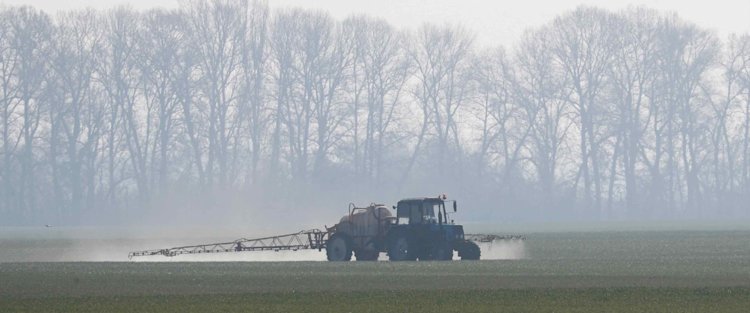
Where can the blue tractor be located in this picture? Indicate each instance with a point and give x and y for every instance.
(421, 230)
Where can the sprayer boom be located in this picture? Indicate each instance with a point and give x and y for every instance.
(306, 239)
(492, 238)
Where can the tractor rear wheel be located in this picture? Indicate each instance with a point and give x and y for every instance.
(400, 249)
(469, 251)
(338, 249)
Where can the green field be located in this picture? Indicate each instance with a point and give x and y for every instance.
(696, 271)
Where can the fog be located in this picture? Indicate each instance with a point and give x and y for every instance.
(232, 116)
(504, 250)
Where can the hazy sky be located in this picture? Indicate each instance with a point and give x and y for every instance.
(493, 21)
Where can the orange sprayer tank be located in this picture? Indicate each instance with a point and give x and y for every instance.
(366, 222)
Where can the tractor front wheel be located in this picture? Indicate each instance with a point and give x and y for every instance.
(338, 249)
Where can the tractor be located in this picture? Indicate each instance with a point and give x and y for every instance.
(421, 230)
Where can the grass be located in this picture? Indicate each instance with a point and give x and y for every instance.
(564, 272)
(524, 300)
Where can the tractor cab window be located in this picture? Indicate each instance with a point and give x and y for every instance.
(415, 213)
(418, 213)
(405, 213)
(429, 214)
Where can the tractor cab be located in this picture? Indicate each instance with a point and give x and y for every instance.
(424, 231)
(418, 211)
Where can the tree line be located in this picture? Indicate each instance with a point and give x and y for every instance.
(634, 113)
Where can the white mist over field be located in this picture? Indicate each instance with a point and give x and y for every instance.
(504, 250)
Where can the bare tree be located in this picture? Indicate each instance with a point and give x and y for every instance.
(327, 60)
(441, 56)
(294, 76)
(728, 134)
(380, 71)
(505, 127)
(218, 30)
(311, 59)
(76, 119)
(30, 42)
(283, 39)
(539, 88)
(685, 55)
(119, 78)
(745, 39)
(632, 75)
(252, 100)
(9, 77)
(161, 94)
(583, 48)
